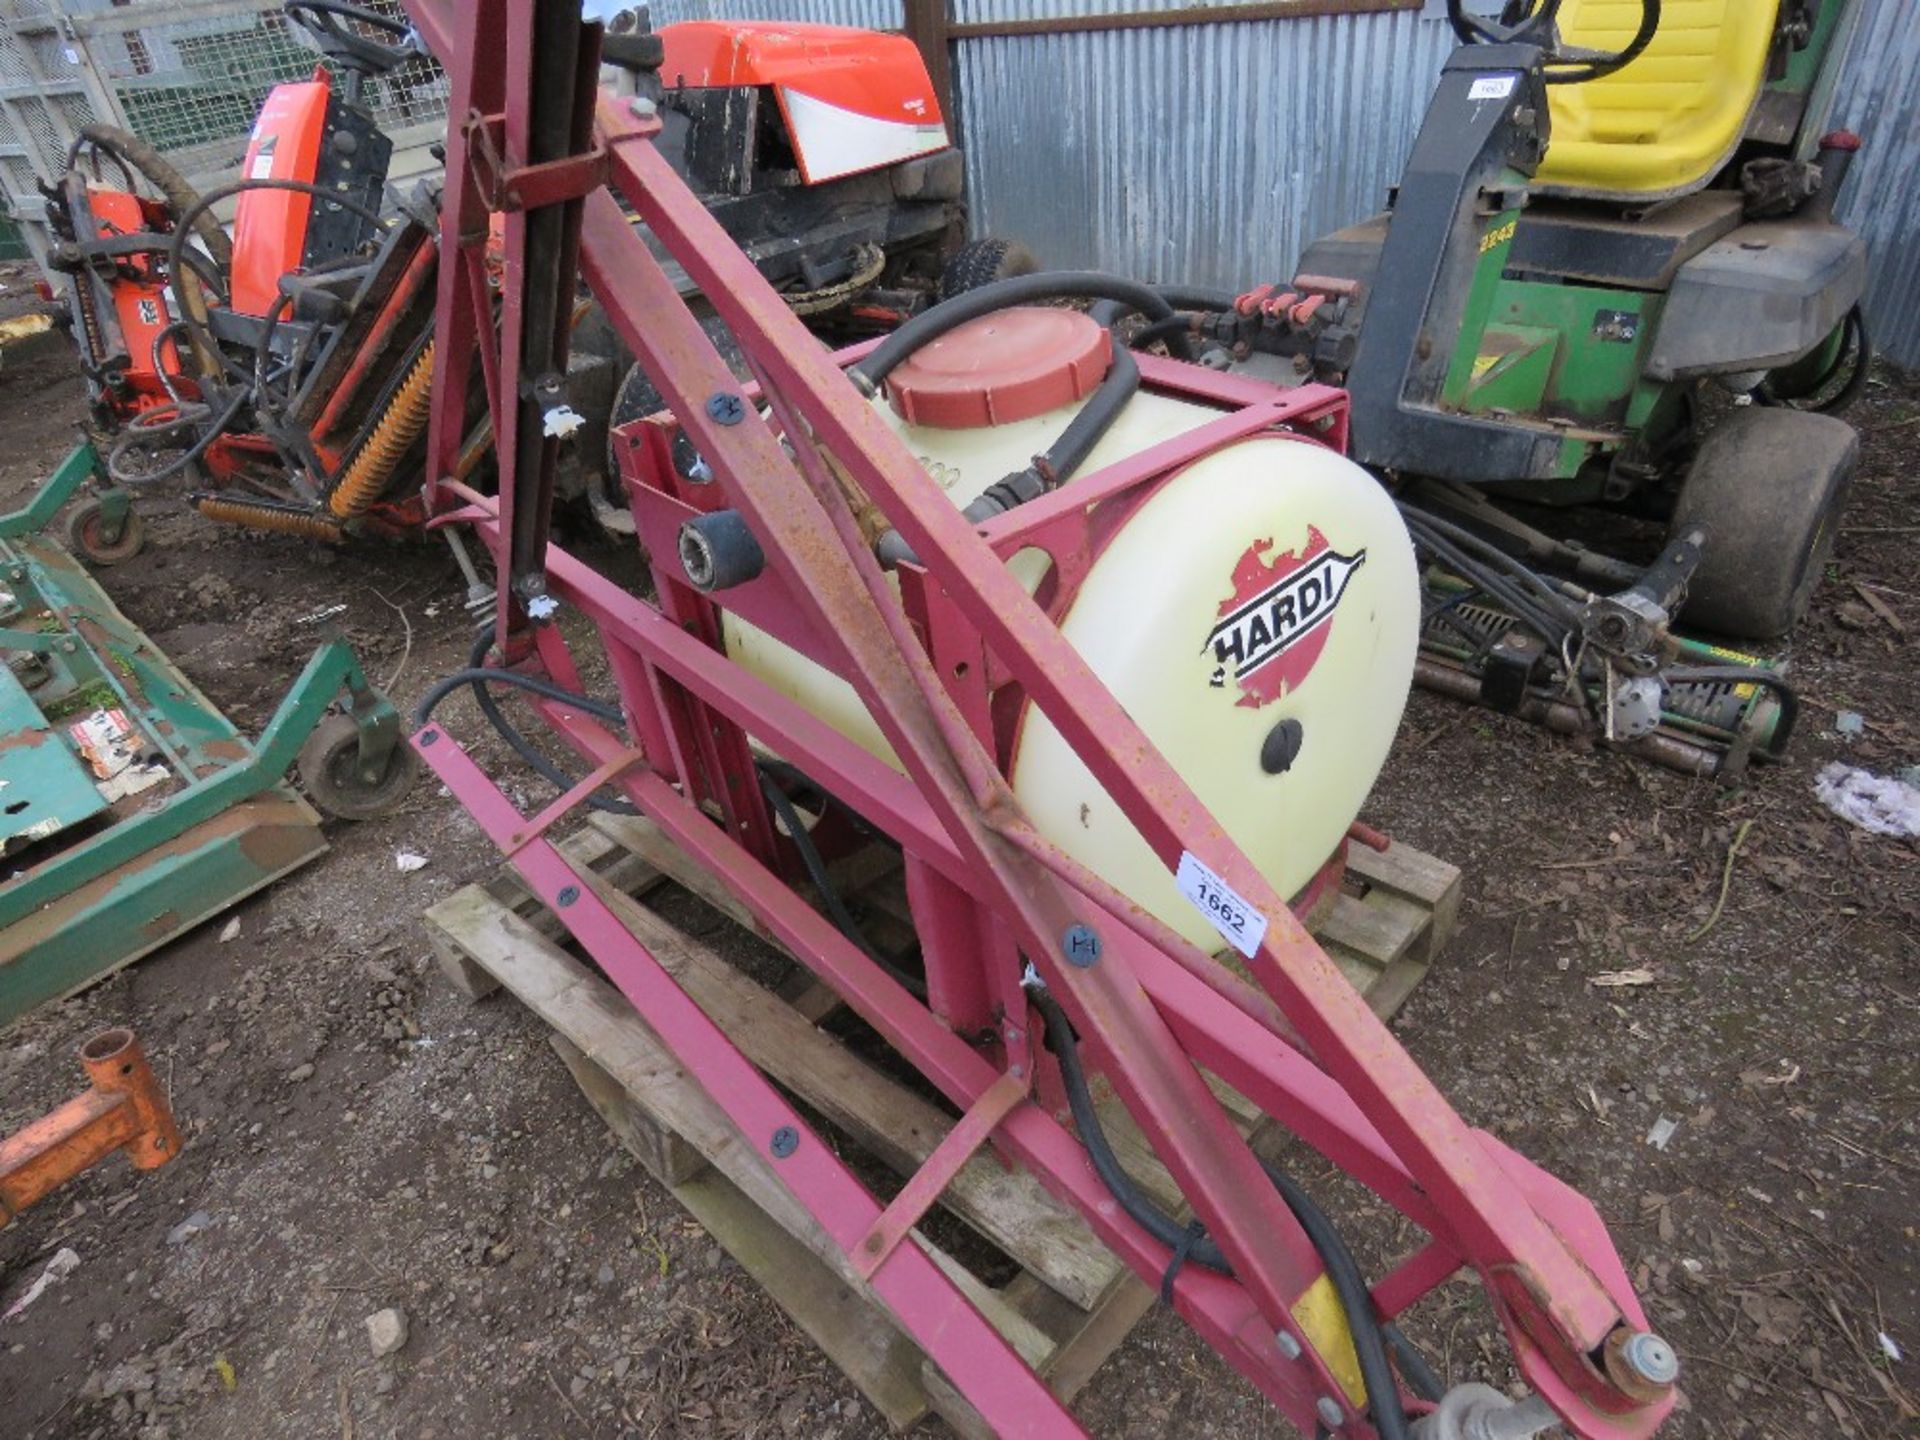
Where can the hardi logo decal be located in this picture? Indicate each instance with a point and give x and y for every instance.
(1275, 624)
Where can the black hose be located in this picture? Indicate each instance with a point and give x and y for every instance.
(478, 675)
(130, 150)
(1549, 627)
(1424, 1379)
(1369, 1343)
(137, 436)
(1556, 602)
(185, 221)
(1068, 453)
(1158, 330)
(930, 325)
(1180, 297)
(816, 867)
(1051, 470)
(172, 333)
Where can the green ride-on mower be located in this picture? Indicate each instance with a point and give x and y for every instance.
(1614, 209)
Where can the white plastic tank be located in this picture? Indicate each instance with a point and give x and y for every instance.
(1257, 616)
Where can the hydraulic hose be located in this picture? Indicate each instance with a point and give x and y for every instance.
(478, 675)
(1369, 1342)
(1553, 600)
(137, 435)
(185, 222)
(816, 868)
(1549, 627)
(948, 315)
(131, 151)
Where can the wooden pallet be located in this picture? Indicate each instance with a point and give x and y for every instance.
(1070, 1302)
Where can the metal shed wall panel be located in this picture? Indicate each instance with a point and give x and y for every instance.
(1209, 154)
(1879, 96)
(1212, 154)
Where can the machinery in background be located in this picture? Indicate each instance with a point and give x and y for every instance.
(132, 809)
(1606, 215)
(1074, 785)
(283, 375)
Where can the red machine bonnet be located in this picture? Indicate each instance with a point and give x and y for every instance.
(1011, 365)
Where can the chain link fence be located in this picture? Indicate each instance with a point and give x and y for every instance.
(187, 76)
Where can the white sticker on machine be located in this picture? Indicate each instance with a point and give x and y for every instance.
(262, 168)
(1491, 87)
(1243, 926)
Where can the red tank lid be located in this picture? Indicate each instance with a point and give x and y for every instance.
(1010, 365)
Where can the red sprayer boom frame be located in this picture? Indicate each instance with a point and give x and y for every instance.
(534, 138)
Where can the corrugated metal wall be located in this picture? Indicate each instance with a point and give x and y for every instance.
(1212, 154)
(1879, 96)
(1209, 154)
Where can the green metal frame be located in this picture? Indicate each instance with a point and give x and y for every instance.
(229, 826)
(81, 467)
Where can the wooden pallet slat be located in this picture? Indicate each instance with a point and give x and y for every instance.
(1071, 1301)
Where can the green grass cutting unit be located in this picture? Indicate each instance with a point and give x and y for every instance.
(130, 808)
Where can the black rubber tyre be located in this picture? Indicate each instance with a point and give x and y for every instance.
(86, 536)
(981, 262)
(638, 397)
(1769, 486)
(329, 766)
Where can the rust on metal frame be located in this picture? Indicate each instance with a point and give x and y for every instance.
(1551, 1271)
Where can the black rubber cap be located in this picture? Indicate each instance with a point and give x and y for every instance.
(1282, 746)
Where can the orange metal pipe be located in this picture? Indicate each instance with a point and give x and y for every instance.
(123, 1108)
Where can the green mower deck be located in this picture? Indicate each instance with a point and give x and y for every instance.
(178, 818)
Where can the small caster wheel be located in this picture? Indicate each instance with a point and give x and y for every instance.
(87, 535)
(329, 766)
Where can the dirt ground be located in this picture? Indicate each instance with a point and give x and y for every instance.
(360, 1137)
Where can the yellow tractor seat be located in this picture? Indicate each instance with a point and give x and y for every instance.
(1665, 123)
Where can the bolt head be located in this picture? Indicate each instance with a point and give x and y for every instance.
(1651, 1358)
(1329, 1411)
(643, 107)
(1289, 1346)
(1081, 945)
(726, 407)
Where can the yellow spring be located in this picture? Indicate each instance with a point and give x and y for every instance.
(257, 516)
(366, 478)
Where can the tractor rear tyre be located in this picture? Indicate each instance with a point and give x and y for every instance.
(1768, 485)
(329, 766)
(981, 262)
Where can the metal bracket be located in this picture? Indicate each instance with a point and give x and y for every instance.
(572, 799)
(898, 1219)
(529, 187)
